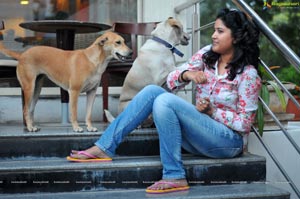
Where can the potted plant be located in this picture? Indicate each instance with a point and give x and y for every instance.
(289, 74)
(267, 86)
(291, 106)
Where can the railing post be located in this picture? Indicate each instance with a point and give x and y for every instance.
(195, 41)
(195, 25)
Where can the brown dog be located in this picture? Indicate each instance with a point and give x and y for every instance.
(75, 71)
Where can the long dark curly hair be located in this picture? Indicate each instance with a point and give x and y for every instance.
(245, 35)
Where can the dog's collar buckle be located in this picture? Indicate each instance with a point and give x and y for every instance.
(168, 45)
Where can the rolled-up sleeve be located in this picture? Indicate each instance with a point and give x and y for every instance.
(194, 64)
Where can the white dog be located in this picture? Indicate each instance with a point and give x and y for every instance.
(155, 61)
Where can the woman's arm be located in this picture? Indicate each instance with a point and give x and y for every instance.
(174, 79)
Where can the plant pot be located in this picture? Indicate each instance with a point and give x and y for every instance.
(275, 104)
(271, 125)
(292, 108)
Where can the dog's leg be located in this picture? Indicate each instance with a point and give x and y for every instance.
(37, 90)
(74, 95)
(90, 99)
(28, 90)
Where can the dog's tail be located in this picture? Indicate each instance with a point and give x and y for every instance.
(110, 118)
(9, 53)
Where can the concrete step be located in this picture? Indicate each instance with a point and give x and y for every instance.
(57, 140)
(241, 191)
(30, 175)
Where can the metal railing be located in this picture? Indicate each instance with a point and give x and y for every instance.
(275, 40)
(195, 20)
(282, 47)
(295, 61)
(186, 5)
(276, 161)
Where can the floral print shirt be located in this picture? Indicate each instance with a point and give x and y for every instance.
(235, 102)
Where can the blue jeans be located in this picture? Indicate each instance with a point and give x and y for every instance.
(179, 124)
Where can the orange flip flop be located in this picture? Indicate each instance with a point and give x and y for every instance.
(91, 158)
(173, 188)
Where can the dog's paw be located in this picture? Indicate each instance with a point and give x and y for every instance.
(78, 129)
(92, 129)
(33, 129)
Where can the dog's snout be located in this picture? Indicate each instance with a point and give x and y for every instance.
(187, 37)
(130, 53)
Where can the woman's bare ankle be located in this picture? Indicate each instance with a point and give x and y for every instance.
(96, 151)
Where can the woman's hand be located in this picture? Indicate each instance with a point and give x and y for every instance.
(204, 106)
(196, 76)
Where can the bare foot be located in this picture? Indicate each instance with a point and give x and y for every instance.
(164, 185)
(96, 151)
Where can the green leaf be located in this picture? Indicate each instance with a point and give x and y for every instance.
(260, 118)
(279, 93)
(265, 94)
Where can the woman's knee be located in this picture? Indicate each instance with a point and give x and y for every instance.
(154, 89)
(163, 100)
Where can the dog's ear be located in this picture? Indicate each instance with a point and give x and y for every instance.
(174, 23)
(102, 41)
